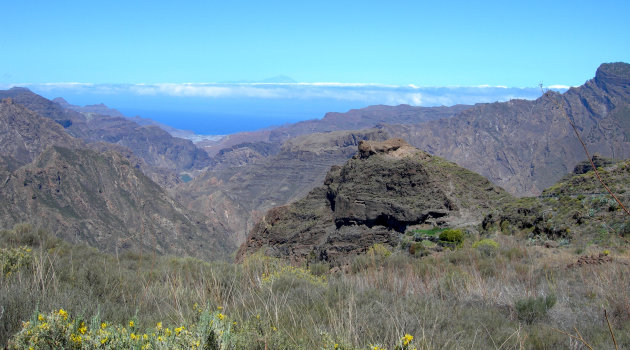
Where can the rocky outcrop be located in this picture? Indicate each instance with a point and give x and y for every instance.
(372, 199)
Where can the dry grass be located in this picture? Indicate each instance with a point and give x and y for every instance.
(451, 300)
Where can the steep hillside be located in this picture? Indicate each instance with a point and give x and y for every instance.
(258, 180)
(526, 146)
(576, 209)
(376, 196)
(102, 200)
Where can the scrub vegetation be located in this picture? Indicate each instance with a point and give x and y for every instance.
(518, 296)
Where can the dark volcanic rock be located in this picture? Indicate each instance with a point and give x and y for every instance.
(241, 194)
(372, 200)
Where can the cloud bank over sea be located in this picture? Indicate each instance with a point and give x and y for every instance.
(210, 107)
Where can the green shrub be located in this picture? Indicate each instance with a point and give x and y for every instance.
(455, 236)
(533, 309)
(486, 246)
(379, 251)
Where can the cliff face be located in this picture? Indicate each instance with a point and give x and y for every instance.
(240, 195)
(386, 188)
(526, 146)
(101, 199)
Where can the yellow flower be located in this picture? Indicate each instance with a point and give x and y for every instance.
(221, 316)
(219, 307)
(41, 318)
(104, 340)
(336, 346)
(145, 337)
(75, 338)
(407, 339)
(131, 324)
(63, 314)
(168, 332)
(159, 325)
(103, 325)
(160, 338)
(133, 336)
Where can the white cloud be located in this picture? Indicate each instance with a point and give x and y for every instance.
(559, 87)
(367, 94)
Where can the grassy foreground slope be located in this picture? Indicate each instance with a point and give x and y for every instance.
(507, 295)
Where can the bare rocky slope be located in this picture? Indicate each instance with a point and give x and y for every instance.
(24, 134)
(526, 146)
(102, 200)
(386, 188)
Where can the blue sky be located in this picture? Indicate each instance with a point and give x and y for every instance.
(426, 43)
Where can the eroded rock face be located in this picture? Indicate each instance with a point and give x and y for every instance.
(387, 187)
(368, 148)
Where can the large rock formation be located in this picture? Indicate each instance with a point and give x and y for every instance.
(386, 188)
(239, 195)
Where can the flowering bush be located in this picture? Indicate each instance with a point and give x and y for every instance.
(12, 259)
(486, 246)
(57, 330)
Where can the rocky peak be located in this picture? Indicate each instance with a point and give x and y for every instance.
(387, 188)
(617, 73)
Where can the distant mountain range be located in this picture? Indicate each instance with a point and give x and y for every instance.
(217, 190)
